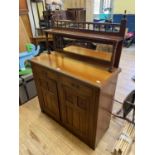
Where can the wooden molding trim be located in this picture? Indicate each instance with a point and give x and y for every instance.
(23, 12)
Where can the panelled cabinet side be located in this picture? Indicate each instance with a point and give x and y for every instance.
(36, 79)
(105, 106)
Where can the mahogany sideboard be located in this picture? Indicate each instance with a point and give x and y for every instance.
(78, 95)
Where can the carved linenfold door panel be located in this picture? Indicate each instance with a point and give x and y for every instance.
(50, 98)
(75, 111)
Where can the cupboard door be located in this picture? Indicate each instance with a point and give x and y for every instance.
(50, 97)
(75, 111)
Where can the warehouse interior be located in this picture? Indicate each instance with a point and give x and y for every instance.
(76, 77)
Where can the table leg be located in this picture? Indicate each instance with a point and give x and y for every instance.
(47, 43)
(113, 56)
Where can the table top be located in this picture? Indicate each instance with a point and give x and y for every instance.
(101, 55)
(93, 74)
(94, 36)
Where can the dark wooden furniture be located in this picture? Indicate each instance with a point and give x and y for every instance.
(94, 32)
(71, 14)
(78, 95)
(73, 86)
(76, 14)
(41, 38)
(51, 16)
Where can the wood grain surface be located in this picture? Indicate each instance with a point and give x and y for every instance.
(41, 135)
(88, 72)
(23, 36)
(102, 55)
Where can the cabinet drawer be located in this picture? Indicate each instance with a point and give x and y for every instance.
(39, 70)
(78, 86)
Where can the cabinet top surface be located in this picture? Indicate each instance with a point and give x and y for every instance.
(90, 73)
(85, 35)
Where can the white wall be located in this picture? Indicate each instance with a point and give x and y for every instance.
(31, 18)
(88, 4)
(121, 5)
(89, 10)
(35, 15)
(74, 4)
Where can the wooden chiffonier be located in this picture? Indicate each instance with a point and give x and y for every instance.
(77, 94)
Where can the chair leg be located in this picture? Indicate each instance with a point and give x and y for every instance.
(120, 110)
(133, 116)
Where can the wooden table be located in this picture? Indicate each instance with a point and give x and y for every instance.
(78, 95)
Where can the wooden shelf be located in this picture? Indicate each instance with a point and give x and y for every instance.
(41, 38)
(85, 35)
(94, 54)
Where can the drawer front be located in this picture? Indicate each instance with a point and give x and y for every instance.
(39, 71)
(52, 75)
(44, 72)
(79, 87)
